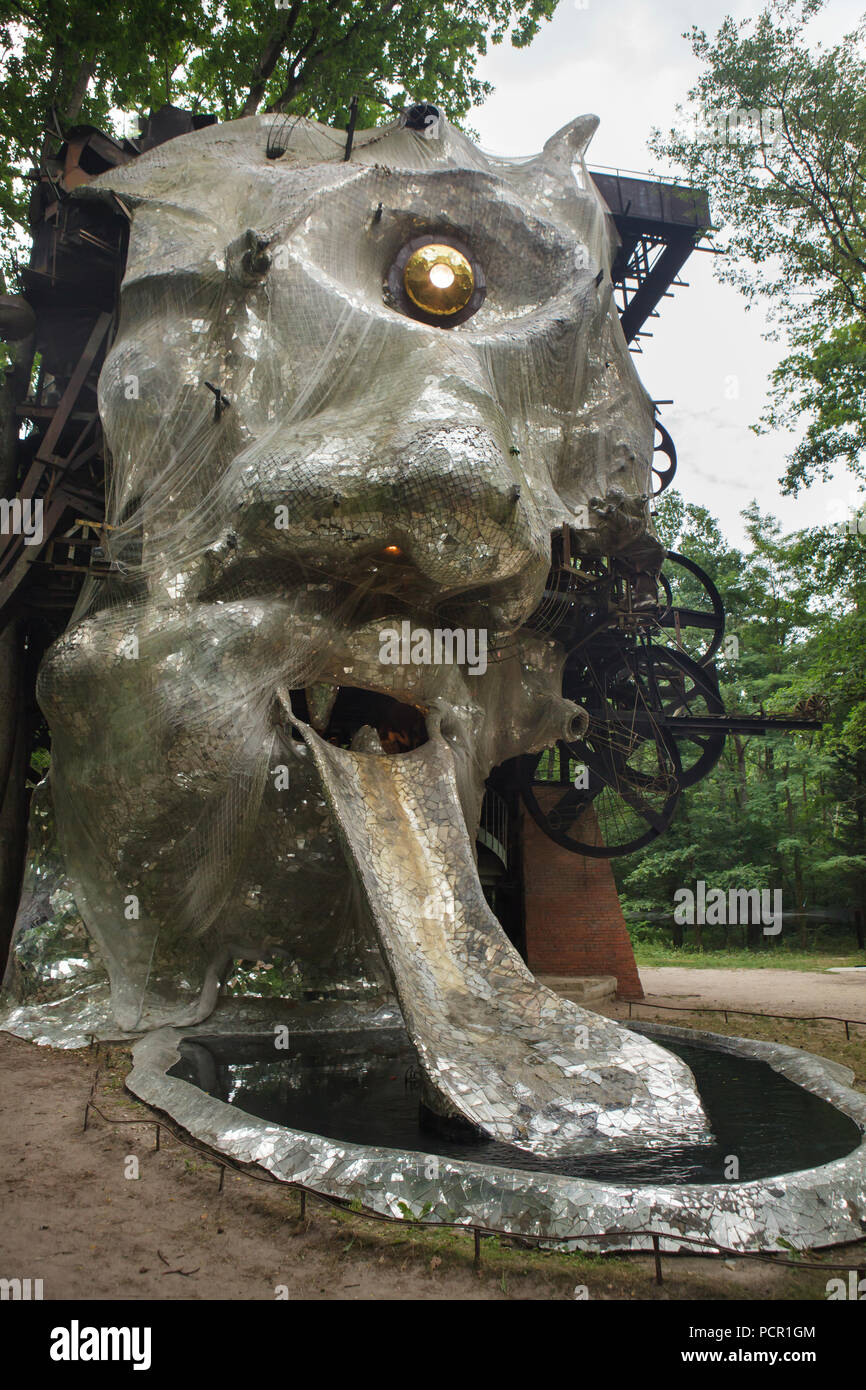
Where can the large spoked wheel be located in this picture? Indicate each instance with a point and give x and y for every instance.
(651, 734)
(698, 630)
(632, 782)
(676, 688)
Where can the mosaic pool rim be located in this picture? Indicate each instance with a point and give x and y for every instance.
(810, 1208)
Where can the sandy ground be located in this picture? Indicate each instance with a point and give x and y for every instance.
(74, 1218)
(90, 1232)
(769, 991)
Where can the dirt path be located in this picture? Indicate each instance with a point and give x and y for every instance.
(72, 1217)
(770, 991)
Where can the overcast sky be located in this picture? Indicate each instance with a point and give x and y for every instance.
(626, 60)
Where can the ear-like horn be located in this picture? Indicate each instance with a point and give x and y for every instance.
(569, 143)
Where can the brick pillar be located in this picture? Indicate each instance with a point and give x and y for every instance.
(574, 923)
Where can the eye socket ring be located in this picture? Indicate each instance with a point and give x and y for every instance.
(441, 290)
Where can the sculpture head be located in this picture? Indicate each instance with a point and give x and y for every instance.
(347, 403)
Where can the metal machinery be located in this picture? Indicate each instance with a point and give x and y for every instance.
(642, 665)
(640, 653)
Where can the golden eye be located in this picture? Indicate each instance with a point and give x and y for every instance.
(437, 280)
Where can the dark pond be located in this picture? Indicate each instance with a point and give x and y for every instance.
(363, 1089)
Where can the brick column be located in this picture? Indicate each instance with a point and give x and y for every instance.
(574, 923)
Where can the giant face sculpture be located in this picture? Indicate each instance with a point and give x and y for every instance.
(347, 404)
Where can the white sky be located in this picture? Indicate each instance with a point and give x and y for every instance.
(626, 60)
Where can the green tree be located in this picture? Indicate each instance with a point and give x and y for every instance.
(77, 61)
(313, 57)
(793, 805)
(62, 61)
(780, 143)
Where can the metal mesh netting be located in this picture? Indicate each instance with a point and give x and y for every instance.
(296, 463)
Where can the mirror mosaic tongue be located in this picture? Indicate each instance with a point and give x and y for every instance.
(497, 1048)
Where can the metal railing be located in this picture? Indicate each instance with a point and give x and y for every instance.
(746, 1013)
(493, 827)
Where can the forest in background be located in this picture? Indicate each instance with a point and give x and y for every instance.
(786, 810)
(775, 130)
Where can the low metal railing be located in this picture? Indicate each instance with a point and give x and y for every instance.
(493, 827)
(746, 1013)
(706, 1248)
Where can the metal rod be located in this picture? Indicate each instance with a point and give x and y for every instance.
(658, 1259)
(476, 1264)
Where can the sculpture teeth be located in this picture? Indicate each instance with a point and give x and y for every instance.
(320, 703)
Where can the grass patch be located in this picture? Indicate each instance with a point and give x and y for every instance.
(740, 958)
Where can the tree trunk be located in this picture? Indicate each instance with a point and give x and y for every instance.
(798, 866)
(271, 55)
(742, 779)
(798, 889)
(85, 72)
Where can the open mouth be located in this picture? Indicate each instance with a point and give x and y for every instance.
(496, 1048)
(345, 715)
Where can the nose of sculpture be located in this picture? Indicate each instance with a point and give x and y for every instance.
(431, 476)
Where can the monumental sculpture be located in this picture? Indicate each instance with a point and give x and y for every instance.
(348, 402)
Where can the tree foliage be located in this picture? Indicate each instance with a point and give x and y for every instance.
(313, 56)
(786, 810)
(63, 61)
(78, 60)
(780, 142)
